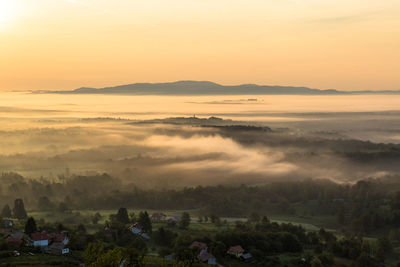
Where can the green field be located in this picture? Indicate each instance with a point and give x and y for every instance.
(309, 223)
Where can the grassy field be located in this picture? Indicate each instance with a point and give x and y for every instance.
(309, 223)
(42, 260)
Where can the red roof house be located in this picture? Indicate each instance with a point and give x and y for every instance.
(14, 241)
(158, 216)
(199, 245)
(40, 239)
(236, 250)
(207, 257)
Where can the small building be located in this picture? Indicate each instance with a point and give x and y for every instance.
(158, 216)
(247, 256)
(59, 238)
(57, 249)
(169, 257)
(14, 241)
(197, 244)
(17, 235)
(8, 223)
(173, 220)
(145, 236)
(137, 229)
(5, 231)
(39, 239)
(236, 251)
(206, 257)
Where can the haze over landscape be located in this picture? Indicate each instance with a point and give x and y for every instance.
(193, 133)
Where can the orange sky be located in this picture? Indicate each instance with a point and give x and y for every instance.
(65, 44)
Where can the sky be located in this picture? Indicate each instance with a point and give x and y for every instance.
(66, 44)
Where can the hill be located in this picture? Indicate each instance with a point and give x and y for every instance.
(198, 88)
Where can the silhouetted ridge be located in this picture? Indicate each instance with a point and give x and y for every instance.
(209, 88)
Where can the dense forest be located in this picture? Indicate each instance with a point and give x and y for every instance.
(365, 206)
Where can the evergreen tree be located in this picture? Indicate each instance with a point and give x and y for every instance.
(145, 221)
(19, 209)
(122, 216)
(6, 212)
(30, 226)
(185, 221)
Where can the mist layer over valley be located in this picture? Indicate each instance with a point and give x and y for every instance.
(251, 140)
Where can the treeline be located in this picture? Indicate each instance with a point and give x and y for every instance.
(365, 206)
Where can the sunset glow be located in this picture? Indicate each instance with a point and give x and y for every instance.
(66, 44)
(8, 11)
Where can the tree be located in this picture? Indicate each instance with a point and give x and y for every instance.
(182, 251)
(81, 229)
(122, 216)
(134, 256)
(383, 247)
(30, 226)
(44, 204)
(132, 216)
(61, 227)
(6, 212)
(185, 221)
(92, 252)
(19, 209)
(254, 217)
(96, 218)
(145, 221)
(341, 218)
(109, 259)
(62, 207)
(218, 249)
(316, 263)
(213, 218)
(365, 260)
(163, 237)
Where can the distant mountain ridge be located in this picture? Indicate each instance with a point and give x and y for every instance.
(209, 88)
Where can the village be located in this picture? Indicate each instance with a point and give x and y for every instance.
(29, 240)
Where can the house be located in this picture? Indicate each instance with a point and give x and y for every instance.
(173, 220)
(206, 257)
(137, 229)
(59, 238)
(57, 248)
(14, 241)
(8, 223)
(247, 256)
(169, 257)
(17, 235)
(39, 239)
(236, 251)
(199, 245)
(158, 216)
(145, 236)
(5, 231)
(203, 256)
